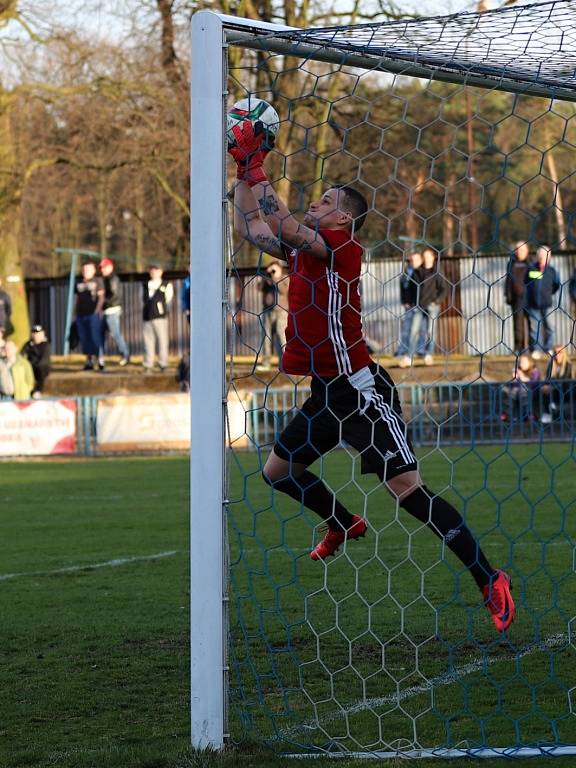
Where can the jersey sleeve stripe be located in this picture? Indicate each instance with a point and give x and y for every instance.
(331, 311)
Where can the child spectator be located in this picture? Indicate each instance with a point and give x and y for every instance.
(521, 389)
(37, 352)
(558, 383)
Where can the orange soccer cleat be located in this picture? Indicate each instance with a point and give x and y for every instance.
(333, 539)
(498, 599)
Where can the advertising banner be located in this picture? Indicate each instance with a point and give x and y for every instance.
(37, 428)
(156, 422)
(143, 422)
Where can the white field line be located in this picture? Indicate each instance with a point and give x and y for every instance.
(448, 677)
(90, 566)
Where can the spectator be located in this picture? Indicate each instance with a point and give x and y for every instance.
(520, 391)
(431, 291)
(5, 312)
(515, 294)
(88, 315)
(6, 382)
(37, 352)
(183, 373)
(542, 283)
(21, 372)
(275, 312)
(572, 292)
(185, 297)
(558, 383)
(158, 295)
(409, 282)
(112, 311)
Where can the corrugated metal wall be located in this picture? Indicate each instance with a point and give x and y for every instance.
(481, 324)
(47, 305)
(477, 321)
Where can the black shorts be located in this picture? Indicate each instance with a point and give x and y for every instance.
(331, 415)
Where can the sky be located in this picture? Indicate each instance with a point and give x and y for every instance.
(109, 19)
(102, 18)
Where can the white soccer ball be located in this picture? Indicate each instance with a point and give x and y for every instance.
(255, 110)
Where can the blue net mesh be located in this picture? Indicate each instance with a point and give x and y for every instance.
(389, 647)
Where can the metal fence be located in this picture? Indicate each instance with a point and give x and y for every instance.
(447, 414)
(443, 413)
(475, 319)
(47, 299)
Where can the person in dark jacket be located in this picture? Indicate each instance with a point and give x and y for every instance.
(37, 352)
(185, 297)
(515, 294)
(542, 282)
(113, 310)
(572, 292)
(158, 295)
(5, 312)
(432, 289)
(409, 282)
(88, 315)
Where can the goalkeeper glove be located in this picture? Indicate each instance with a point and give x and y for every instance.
(252, 142)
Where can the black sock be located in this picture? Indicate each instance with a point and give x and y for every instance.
(448, 525)
(314, 494)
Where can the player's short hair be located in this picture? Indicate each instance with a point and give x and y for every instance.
(355, 204)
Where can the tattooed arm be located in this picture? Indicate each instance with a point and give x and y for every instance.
(250, 225)
(283, 223)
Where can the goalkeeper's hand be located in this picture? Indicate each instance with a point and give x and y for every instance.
(252, 143)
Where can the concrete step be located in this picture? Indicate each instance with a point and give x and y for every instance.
(68, 378)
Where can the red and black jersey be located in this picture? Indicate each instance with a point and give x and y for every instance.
(324, 335)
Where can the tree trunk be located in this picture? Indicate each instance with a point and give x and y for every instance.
(450, 323)
(448, 217)
(472, 221)
(102, 202)
(413, 228)
(558, 205)
(10, 220)
(139, 231)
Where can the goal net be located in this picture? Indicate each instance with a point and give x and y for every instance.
(459, 133)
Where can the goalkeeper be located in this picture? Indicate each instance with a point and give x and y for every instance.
(352, 398)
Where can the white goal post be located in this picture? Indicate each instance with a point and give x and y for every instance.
(212, 33)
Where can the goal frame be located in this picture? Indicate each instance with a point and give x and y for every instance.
(212, 33)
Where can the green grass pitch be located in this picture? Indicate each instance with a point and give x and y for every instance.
(95, 630)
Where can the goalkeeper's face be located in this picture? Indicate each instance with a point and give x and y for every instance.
(327, 212)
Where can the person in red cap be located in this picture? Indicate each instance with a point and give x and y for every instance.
(113, 310)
